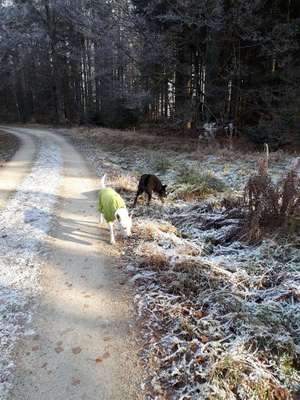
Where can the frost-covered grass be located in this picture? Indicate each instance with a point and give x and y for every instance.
(192, 184)
(220, 317)
(162, 164)
(219, 331)
(24, 224)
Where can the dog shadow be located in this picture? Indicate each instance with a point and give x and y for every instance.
(91, 195)
(65, 229)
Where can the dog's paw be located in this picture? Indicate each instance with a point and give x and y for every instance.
(112, 241)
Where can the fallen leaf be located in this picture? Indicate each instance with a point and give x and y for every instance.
(194, 347)
(199, 314)
(204, 339)
(59, 349)
(66, 331)
(184, 311)
(76, 350)
(200, 359)
(75, 381)
(99, 360)
(35, 348)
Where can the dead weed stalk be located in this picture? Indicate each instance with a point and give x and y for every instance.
(272, 205)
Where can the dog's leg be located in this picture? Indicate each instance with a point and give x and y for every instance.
(135, 200)
(136, 197)
(149, 197)
(101, 219)
(112, 236)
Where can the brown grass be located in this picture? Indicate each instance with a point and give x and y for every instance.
(195, 185)
(125, 183)
(233, 373)
(147, 229)
(167, 141)
(151, 253)
(144, 139)
(189, 193)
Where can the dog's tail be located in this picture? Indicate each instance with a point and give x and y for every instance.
(267, 152)
(102, 182)
(267, 155)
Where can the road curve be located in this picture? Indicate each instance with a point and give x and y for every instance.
(16, 169)
(79, 343)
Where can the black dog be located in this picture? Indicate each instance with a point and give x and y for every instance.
(150, 184)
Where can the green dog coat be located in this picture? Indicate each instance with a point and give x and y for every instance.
(109, 202)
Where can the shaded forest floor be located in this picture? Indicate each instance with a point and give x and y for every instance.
(220, 316)
(8, 146)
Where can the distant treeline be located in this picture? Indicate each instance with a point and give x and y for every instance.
(176, 63)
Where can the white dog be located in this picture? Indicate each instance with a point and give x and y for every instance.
(112, 207)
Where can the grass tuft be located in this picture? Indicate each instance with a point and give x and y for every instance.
(194, 185)
(149, 230)
(151, 253)
(125, 183)
(162, 164)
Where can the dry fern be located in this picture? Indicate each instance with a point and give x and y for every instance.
(271, 205)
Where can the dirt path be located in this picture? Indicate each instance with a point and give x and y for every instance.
(78, 344)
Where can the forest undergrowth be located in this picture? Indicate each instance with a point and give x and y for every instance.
(216, 279)
(8, 146)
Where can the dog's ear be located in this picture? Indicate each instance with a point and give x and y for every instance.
(102, 181)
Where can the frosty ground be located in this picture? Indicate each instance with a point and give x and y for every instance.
(23, 228)
(220, 316)
(66, 327)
